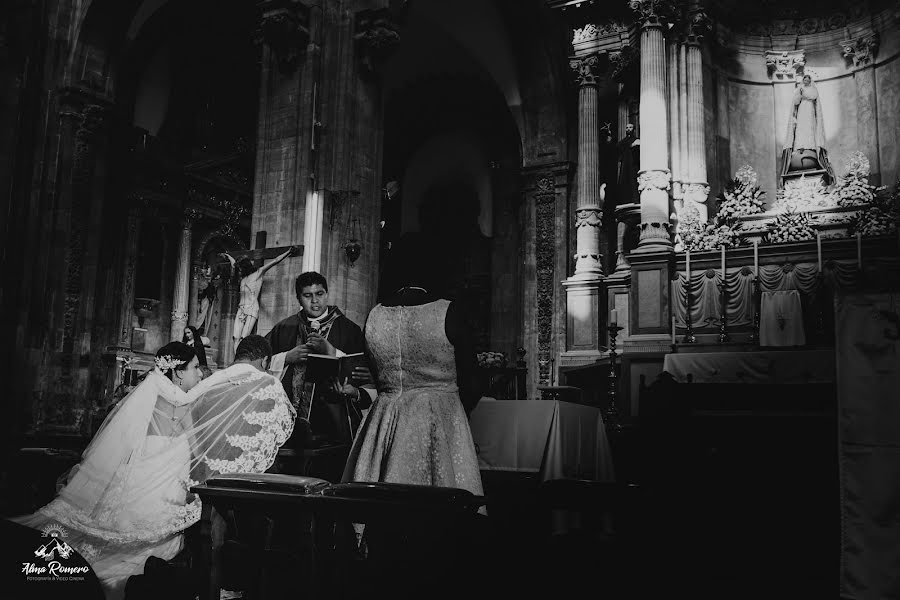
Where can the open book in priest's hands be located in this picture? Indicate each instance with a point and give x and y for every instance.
(323, 368)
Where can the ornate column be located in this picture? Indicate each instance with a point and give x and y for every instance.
(860, 55)
(588, 258)
(126, 298)
(654, 177)
(696, 188)
(182, 266)
(675, 101)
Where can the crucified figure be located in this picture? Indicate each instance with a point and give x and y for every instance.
(251, 284)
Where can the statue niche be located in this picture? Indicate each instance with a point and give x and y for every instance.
(804, 143)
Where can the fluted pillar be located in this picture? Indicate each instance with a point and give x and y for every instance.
(654, 177)
(193, 293)
(588, 258)
(126, 292)
(696, 188)
(674, 99)
(182, 276)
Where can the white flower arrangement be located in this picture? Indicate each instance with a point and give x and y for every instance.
(166, 363)
(791, 227)
(491, 359)
(802, 194)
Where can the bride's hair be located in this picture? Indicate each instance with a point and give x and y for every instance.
(174, 356)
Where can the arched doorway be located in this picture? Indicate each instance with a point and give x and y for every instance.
(452, 157)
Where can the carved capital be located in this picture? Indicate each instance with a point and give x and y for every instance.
(621, 59)
(695, 192)
(862, 50)
(785, 65)
(585, 69)
(178, 315)
(588, 217)
(654, 180)
(697, 26)
(377, 36)
(284, 27)
(653, 13)
(189, 217)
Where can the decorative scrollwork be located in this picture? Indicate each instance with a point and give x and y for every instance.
(786, 65)
(285, 29)
(654, 180)
(588, 217)
(545, 259)
(861, 51)
(585, 69)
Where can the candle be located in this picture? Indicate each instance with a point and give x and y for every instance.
(673, 328)
(614, 317)
(859, 250)
(756, 257)
(687, 265)
(819, 248)
(723, 264)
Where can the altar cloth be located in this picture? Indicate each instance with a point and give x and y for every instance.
(552, 438)
(767, 367)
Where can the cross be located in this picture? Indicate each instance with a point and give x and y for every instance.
(260, 253)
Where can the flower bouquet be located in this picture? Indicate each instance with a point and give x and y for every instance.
(491, 359)
(854, 189)
(741, 195)
(791, 227)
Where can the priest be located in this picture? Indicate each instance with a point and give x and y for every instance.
(325, 413)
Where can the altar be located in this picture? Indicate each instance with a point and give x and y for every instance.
(552, 439)
(763, 367)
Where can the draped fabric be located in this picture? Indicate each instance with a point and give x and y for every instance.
(868, 377)
(706, 297)
(129, 496)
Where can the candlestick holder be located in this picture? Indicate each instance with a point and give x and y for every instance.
(757, 301)
(689, 337)
(611, 415)
(821, 305)
(723, 321)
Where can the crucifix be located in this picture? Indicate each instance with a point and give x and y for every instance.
(261, 253)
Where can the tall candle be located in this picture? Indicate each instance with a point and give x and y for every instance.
(687, 264)
(614, 317)
(756, 257)
(723, 265)
(819, 248)
(859, 250)
(673, 328)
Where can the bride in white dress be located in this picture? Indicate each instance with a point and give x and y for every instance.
(128, 498)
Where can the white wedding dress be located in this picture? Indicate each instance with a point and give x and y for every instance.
(129, 497)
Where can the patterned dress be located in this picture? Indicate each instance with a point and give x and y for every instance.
(416, 431)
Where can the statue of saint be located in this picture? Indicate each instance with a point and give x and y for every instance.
(804, 143)
(629, 159)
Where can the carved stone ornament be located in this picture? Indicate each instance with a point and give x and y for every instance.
(284, 27)
(585, 69)
(588, 217)
(377, 35)
(785, 65)
(655, 231)
(653, 13)
(620, 60)
(545, 259)
(695, 192)
(585, 34)
(861, 51)
(654, 180)
(698, 25)
(189, 217)
(178, 315)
